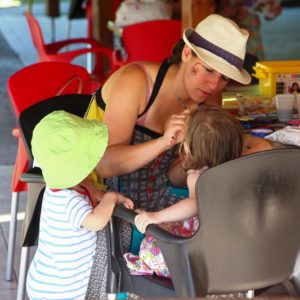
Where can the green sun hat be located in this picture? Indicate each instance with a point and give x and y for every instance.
(68, 148)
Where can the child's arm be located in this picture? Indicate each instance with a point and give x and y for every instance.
(99, 217)
(182, 210)
(94, 192)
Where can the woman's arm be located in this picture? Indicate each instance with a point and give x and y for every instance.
(123, 158)
(126, 96)
(254, 144)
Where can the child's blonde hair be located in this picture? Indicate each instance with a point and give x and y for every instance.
(212, 137)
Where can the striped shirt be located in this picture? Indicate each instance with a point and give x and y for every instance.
(62, 263)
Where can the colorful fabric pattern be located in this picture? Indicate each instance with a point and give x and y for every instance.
(150, 259)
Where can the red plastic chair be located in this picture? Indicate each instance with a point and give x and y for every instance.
(149, 41)
(27, 87)
(52, 51)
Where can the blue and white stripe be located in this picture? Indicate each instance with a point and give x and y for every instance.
(62, 263)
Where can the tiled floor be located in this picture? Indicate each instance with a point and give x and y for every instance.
(282, 42)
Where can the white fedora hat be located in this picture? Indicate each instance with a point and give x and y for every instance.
(221, 44)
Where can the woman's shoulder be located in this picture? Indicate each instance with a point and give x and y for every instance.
(133, 74)
(143, 68)
(139, 67)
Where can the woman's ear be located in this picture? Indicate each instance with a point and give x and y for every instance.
(186, 53)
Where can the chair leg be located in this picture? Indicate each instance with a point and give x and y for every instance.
(12, 236)
(23, 273)
(89, 61)
(52, 30)
(68, 30)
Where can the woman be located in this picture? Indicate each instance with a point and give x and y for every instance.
(146, 105)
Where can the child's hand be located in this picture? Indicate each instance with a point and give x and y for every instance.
(143, 219)
(192, 177)
(121, 199)
(97, 196)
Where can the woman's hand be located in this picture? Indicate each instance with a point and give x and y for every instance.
(174, 129)
(143, 219)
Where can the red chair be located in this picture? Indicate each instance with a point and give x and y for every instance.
(52, 51)
(149, 41)
(27, 87)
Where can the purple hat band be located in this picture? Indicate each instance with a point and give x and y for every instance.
(199, 41)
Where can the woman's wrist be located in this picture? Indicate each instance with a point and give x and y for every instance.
(166, 143)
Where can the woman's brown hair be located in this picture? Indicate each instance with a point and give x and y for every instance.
(175, 57)
(212, 136)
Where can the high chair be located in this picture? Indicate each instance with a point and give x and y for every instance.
(248, 240)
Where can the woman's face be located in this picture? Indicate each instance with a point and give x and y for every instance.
(201, 81)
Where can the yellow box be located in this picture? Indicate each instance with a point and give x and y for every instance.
(277, 77)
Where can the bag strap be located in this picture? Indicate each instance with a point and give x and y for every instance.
(69, 81)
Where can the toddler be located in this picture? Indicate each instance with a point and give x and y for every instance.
(212, 137)
(68, 148)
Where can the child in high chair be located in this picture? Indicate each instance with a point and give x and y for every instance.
(68, 148)
(212, 137)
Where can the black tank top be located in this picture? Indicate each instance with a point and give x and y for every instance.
(157, 84)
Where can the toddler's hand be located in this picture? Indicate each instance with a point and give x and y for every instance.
(121, 199)
(143, 219)
(94, 192)
(97, 196)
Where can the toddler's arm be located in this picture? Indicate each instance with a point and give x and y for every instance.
(99, 217)
(94, 192)
(182, 210)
